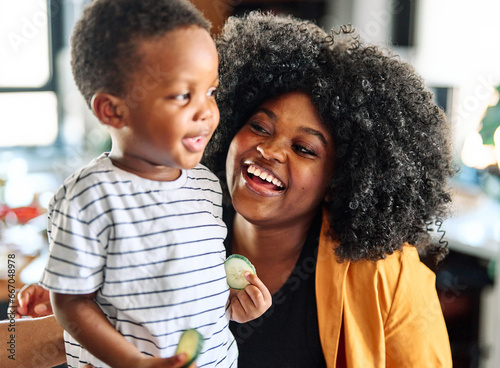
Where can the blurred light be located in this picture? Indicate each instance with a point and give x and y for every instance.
(44, 199)
(476, 154)
(19, 190)
(496, 139)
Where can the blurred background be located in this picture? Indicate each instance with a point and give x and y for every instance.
(47, 132)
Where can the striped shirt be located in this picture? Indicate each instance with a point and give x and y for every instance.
(152, 250)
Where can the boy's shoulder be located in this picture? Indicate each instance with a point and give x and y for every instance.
(96, 171)
(201, 172)
(201, 178)
(100, 172)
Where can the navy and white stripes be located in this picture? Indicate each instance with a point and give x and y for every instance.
(152, 250)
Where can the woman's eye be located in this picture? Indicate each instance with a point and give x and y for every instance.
(257, 128)
(303, 150)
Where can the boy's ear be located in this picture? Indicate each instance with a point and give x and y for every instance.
(109, 109)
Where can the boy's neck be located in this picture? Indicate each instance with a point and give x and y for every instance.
(144, 169)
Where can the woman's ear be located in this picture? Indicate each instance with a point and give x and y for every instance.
(330, 192)
(109, 109)
(328, 197)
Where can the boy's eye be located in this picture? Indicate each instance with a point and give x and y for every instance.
(182, 97)
(212, 92)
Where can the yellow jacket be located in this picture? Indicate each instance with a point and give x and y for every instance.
(390, 310)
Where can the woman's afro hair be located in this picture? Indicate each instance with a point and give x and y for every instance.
(393, 158)
(105, 40)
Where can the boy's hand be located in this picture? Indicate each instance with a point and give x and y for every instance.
(33, 301)
(251, 302)
(176, 361)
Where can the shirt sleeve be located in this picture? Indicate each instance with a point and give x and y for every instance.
(76, 255)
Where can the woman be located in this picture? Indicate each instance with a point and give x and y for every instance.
(350, 134)
(337, 165)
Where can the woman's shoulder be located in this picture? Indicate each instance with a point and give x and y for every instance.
(405, 260)
(399, 272)
(394, 268)
(399, 279)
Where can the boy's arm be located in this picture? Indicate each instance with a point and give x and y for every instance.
(251, 302)
(38, 342)
(82, 318)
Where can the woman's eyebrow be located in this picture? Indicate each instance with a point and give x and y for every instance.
(268, 112)
(315, 133)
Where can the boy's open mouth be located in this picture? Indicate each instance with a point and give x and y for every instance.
(195, 144)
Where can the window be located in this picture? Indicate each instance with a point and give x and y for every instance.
(28, 102)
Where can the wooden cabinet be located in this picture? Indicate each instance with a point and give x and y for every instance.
(217, 11)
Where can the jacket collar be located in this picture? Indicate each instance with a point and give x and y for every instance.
(330, 284)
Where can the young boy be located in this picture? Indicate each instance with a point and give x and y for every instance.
(136, 252)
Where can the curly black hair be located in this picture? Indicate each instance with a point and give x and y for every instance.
(393, 155)
(104, 43)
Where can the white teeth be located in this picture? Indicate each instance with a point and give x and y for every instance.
(264, 175)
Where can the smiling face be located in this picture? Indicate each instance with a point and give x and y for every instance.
(280, 163)
(171, 108)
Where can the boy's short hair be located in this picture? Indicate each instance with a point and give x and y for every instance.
(105, 39)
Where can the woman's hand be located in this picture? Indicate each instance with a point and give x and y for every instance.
(33, 301)
(251, 302)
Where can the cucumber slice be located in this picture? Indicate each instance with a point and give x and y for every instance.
(190, 343)
(236, 266)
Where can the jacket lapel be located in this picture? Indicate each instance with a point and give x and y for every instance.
(330, 283)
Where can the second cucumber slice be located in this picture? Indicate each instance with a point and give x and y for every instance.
(190, 343)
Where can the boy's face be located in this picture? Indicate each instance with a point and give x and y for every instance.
(171, 105)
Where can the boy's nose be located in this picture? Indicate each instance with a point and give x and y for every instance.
(204, 111)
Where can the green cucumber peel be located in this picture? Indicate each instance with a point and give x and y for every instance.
(236, 266)
(190, 343)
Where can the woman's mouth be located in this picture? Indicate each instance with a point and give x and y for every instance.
(263, 179)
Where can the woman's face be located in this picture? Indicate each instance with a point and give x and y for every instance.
(280, 163)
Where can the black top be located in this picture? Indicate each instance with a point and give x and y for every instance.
(287, 335)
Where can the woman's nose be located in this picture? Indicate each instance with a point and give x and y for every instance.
(272, 150)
